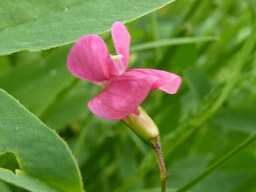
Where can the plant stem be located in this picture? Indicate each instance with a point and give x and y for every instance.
(158, 151)
(217, 164)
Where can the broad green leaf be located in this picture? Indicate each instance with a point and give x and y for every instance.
(5, 65)
(37, 25)
(4, 187)
(45, 161)
(9, 161)
(248, 185)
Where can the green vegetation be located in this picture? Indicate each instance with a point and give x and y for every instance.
(207, 129)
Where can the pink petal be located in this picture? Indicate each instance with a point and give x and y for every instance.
(89, 59)
(121, 39)
(167, 82)
(121, 98)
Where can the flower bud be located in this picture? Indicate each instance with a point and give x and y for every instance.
(142, 125)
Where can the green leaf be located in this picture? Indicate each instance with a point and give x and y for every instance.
(185, 169)
(198, 83)
(45, 161)
(37, 83)
(153, 190)
(207, 108)
(171, 41)
(4, 187)
(36, 25)
(75, 102)
(242, 119)
(226, 182)
(179, 61)
(5, 65)
(217, 164)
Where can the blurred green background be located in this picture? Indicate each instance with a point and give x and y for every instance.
(212, 113)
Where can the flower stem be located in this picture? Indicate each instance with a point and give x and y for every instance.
(158, 151)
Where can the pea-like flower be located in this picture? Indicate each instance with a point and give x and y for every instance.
(123, 91)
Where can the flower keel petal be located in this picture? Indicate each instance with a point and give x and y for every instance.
(121, 97)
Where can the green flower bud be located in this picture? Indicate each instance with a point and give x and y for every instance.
(142, 125)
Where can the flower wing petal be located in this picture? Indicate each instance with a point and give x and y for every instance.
(89, 59)
(167, 82)
(121, 39)
(121, 98)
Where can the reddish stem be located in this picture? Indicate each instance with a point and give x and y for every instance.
(158, 151)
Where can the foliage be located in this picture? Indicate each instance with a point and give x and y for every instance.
(207, 128)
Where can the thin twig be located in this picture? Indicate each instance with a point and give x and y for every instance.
(158, 151)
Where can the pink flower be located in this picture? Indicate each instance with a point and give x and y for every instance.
(123, 92)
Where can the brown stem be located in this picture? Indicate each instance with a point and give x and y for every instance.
(158, 151)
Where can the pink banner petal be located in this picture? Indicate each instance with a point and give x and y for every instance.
(121, 39)
(125, 93)
(89, 59)
(167, 82)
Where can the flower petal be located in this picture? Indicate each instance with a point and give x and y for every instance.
(89, 59)
(121, 98)
(121, 39)
(167, 82)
